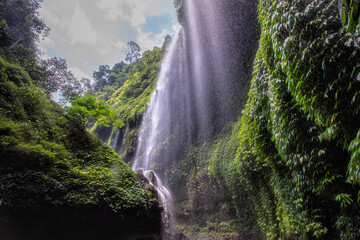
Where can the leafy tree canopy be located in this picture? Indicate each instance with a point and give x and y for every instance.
(20, 23)
(88, 108)
(100, 76)
(20, 30)
(350, 12)
(133, 53)
(57, 78)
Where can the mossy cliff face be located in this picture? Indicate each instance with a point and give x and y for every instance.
(180, 9)
(298, 154)
(289, 167)
(57, 181)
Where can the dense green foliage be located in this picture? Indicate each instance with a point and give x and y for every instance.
(298, 159)
(289, 168)
(131, 89)
(39, 141)
(225, 171)
(210, 199)
(127, 87)
(350, 13)
(88, 108)
(42, 161)
(20, 29)
(53, 172)
(20, 23)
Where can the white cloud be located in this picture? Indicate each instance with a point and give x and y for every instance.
(57, 13)
(115, 9)
(80, 29)
(120, 45)
(92, 33)
(135, 11)
(148, 41)
(79, 74)
(176, 28)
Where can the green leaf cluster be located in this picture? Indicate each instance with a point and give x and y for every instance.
(88, 108)
(20, 30)
(298, 142)
(350, 13)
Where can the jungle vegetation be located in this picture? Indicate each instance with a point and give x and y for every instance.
(58, 180)
(287, 168)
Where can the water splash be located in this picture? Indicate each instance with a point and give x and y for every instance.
(165, 199)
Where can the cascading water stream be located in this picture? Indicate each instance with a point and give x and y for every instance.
(197, 92)
(116, 138)
(165, 200)
(149, 138)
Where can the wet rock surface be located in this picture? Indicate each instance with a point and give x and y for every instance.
(152, 197)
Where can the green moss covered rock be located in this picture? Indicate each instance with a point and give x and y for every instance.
(297, 156)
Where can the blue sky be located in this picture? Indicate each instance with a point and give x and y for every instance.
(89, 33)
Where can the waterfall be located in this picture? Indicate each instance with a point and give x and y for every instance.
(115, 139)
(198, 89)
(149, 139)
(165, 200)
